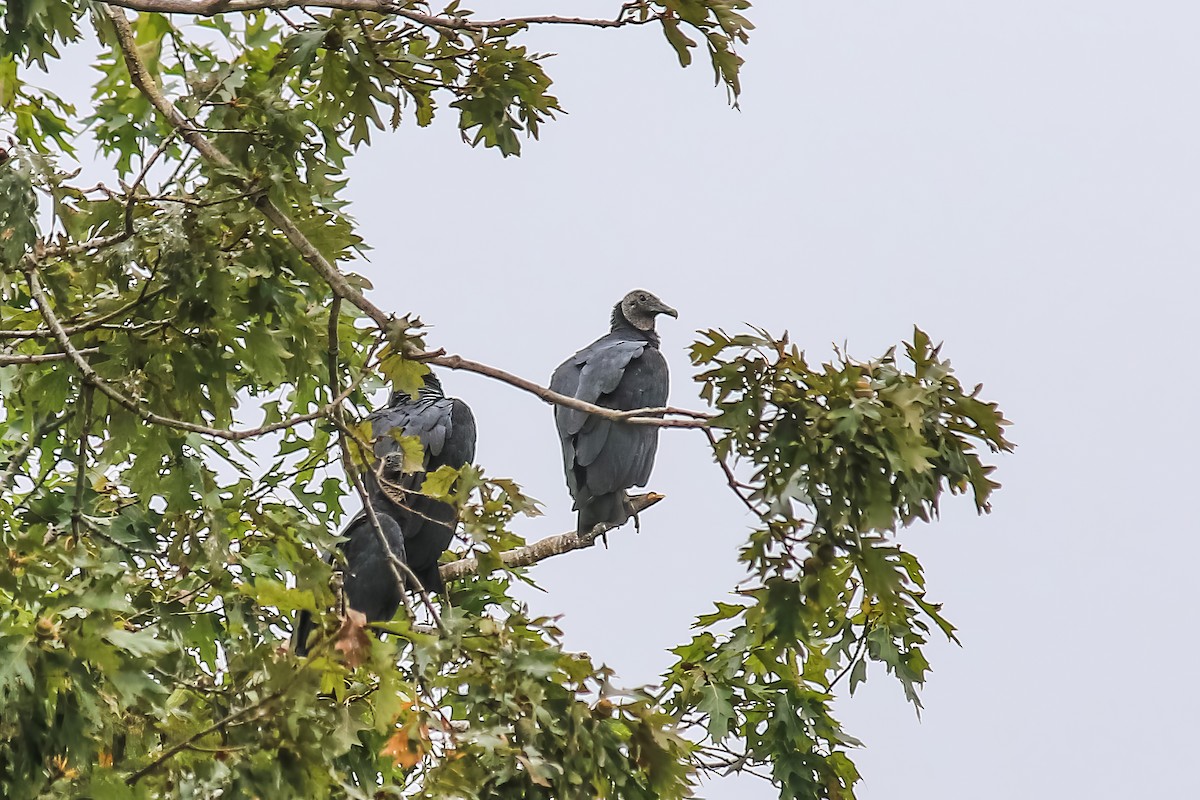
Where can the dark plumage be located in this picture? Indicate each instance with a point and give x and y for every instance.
(446, 429)
(622, 370)
(368, 581)
(418, 528)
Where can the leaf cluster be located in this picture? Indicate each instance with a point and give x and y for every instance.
(840, 457)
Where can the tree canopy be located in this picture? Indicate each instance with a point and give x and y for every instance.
(186, 367)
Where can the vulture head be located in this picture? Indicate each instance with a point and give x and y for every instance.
(639, 308)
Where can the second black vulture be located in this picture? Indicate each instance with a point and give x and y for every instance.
(446, 429)
(418, 528)
(623, 370)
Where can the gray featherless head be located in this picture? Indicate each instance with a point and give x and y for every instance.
(640, 308)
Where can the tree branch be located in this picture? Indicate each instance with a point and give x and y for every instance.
(734, 484)
(85, 429)
(209, 8)
(12, 359)
(545, 548)
(46, 333)
(638, 416)
(402, 573)
(90, 376)
(170, 751)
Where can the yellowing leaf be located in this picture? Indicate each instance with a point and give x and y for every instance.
(405, 375)
(410, 446)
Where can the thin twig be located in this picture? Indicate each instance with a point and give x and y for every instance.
(81, 462)
(71, 330)
(400, 569)
(144, 81)
(35, 437)
(862, 644)
(395, 564)
(37, 485)
(734, 484)
(338, 283)
(10, 360)
(190, 593)
(227, 719)
(128, 548)
(309, 660)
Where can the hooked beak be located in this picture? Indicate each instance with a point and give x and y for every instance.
(663, 308)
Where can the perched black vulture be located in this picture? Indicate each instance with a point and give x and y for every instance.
(418, 528)
(368, 581)
(446, 429)
(622, 370)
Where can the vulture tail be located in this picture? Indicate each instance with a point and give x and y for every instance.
(303, 630)
(611, 509)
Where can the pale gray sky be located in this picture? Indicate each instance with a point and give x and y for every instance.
(1021, 179)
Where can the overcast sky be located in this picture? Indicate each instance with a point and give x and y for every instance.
(1020, 179)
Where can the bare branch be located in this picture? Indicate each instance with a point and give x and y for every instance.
(734, 484)
(221, 723)
(85, 429)
(385, 7)
(401, 572)
(128, 548)
(854, 659)
(8, 359)
(95, 243)
(639, 416)
(396, 564)
(545, 548)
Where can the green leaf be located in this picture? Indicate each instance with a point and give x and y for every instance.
(141, 644)
(715, 703)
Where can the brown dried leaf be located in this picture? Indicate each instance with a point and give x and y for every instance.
(351, 639)
(402, 751)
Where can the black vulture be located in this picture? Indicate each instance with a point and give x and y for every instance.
(418, 528)
(622, 370)
(446, 429)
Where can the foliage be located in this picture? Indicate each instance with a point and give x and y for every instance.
(155, 554)
(843, 455)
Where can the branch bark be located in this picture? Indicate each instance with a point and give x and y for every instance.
(545, 548)
(35, 438)
(638, 416)
(12, 359)
(200, 734)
